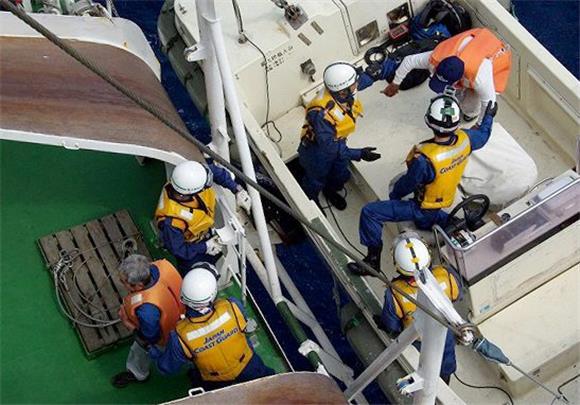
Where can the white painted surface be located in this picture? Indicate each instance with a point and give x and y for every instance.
(116, 32)
(532, 342)
(72, 143)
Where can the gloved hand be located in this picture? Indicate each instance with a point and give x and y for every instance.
(368, 155)
(251, 326)
(243, 200)
(213, 246)
(491, 109)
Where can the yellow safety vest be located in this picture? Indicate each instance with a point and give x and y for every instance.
(405, 308)
(216, 342)
(343, 120)
(448, 162)
(195, 218)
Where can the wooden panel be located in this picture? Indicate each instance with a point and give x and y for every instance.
(80, 278)
(102, 279)
(92, 285)
(110, 262)
(89, 336)
(130, 228)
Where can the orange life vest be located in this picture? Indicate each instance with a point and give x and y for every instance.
(164, 294)
(484, 45)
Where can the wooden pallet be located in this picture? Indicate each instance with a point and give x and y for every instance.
(92, 281)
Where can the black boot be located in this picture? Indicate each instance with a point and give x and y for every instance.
(125, 378)
(335, 199)
(373, 259)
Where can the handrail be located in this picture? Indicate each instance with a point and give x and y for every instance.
(438, 230)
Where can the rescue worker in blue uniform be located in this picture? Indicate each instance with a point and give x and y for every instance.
(212, 337)
(434, 170)
(410, 254)
(150, 310)
(186, 209)
(330, 118)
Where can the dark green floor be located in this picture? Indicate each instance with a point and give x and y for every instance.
(46, 189)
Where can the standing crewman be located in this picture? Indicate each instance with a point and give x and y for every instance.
(211, 337)
(330, 119)
(434, 170)
(410, 254)
(186, 209)
(151, 310)
(475, 62)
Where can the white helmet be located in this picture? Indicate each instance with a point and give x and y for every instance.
(410, 254)
(199, 287)
(191, 177)
(443, 114)
(339, 76)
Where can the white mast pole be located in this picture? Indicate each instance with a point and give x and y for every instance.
(207, 13)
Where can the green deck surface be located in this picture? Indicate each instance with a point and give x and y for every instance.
(46, 189)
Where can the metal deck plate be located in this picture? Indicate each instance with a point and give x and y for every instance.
(90, 283)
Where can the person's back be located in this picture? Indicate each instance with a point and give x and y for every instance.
(211, 336)
(411, 254)
(448, 161)
(404, 308)
(220, 354)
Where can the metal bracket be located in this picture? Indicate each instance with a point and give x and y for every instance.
(223, 133)
(334, 366)
(410, 384)
(195, 53)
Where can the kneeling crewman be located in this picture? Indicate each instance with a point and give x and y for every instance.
(186, 210)
(434, 170)
(212, 336)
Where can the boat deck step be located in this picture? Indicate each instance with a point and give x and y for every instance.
(85, 259)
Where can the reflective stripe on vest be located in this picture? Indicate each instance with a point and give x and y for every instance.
(344, 121)
(164, 294)
(484, 45)
(216, 342)
(193, 220)
(405, 308)
(448, 162)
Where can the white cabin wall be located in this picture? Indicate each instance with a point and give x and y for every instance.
(540, 87)
(287, 82)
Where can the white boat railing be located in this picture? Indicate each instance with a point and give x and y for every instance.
(220, 86)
